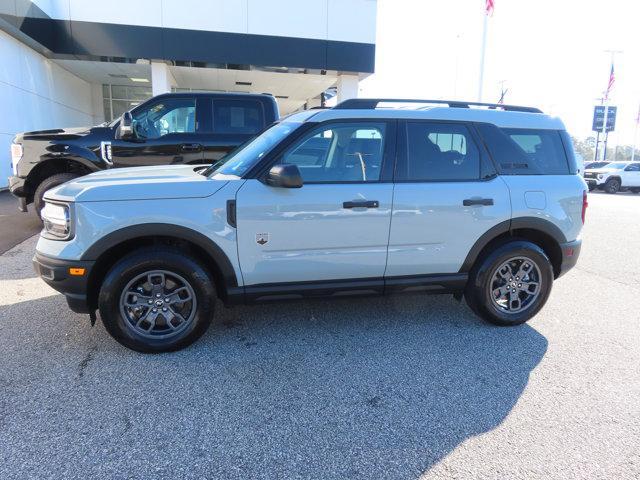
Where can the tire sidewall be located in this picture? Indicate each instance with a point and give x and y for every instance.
(477, 292)
(47, 184)
(146, 260)
(612, 185)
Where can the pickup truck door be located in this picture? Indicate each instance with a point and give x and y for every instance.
(167, 133)
(446, 197)
(335, 227)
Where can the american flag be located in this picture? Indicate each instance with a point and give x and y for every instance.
(489, 7)
(612, 80)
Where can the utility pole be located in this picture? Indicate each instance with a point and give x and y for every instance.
(635, 136)
(503, 92)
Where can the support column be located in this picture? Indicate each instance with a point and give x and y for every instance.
(161, 78)
(347, 87)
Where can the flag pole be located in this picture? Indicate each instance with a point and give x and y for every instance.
(635, 137)
(482, 52)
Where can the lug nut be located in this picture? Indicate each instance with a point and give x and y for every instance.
(167, 300)
(164, 309)
(155, 310)
(149, 302)
(158, 295)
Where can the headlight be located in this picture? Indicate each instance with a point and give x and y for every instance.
(16, 155)
(57, 221)
(600, 176)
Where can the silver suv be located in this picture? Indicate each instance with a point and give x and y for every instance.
(481, 201)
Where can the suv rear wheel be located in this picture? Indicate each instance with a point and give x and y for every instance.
(157, 300)
(511, 284)
(47, 184)
(612, 185)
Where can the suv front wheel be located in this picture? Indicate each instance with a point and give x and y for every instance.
(510, 284)
(157, 300)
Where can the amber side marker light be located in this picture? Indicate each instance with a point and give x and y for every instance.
(78, 272)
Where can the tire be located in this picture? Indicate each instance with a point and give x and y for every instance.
(141, 271)
(591, 187)
(635, 190)
(612, 185)
(482, 281)
(47, 184)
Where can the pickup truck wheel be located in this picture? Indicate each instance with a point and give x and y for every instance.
(635, 190)
(592, 187)
(47, 184)
(612, 185)
(157, 300)
(511, 284)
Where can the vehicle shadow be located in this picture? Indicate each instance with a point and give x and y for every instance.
(350, 388)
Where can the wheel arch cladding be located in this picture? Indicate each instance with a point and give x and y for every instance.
(53, 166)
(110, 248)
(543, 233)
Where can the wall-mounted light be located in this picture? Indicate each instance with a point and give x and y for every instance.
(139, 80)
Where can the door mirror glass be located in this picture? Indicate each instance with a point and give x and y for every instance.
(125, 129)
(284, 176)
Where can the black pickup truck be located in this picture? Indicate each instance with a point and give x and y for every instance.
(173, 128)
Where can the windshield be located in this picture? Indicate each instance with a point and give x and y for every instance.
(617, 165)
(242, 159)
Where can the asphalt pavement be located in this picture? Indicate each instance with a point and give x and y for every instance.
(398, 387)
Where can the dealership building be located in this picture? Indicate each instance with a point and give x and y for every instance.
(68, 63)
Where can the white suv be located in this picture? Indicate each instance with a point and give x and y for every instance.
(481, 201)
(614, 177)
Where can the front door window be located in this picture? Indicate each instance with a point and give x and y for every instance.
(169, 115)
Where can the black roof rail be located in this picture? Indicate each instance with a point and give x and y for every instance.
(372, 103)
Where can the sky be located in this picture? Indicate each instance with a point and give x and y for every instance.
(549, 53)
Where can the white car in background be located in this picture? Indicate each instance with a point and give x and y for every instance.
(614, 177)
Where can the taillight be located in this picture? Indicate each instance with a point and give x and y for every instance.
(585, 204)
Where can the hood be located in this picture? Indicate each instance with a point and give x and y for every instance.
(59, 133)
(602, 170)
(55, 133)
(137, 183)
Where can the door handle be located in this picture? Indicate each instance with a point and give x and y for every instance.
(361, 204)
(477, 201)
(190, 147)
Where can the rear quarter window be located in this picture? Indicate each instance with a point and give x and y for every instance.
(523, 151)
(237, 116)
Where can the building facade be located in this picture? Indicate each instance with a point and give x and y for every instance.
(69, 63)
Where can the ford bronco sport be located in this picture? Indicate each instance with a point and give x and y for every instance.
(479, 201)
(172, 128)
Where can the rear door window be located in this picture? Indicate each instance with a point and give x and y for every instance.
(237, 116)
(439, 152)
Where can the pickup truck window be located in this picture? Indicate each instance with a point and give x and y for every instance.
(169, 115)
(237, 116)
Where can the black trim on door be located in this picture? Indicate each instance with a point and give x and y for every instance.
(431, 283)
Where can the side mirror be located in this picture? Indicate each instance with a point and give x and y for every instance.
(125, 129)
(284, 176)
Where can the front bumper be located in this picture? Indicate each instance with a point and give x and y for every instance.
(570, 254)
(56, 273)
(16, 187)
